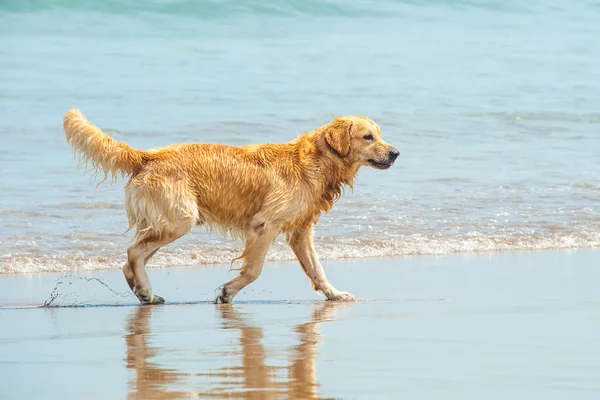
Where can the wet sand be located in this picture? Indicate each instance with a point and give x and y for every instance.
(495, 325)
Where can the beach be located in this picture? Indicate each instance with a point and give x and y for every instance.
(493, 325)
(474, 258)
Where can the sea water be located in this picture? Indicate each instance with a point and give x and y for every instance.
(494, 105)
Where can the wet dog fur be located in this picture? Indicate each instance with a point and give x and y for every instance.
(254, 192)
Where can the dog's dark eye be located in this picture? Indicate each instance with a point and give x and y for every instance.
(368, 137)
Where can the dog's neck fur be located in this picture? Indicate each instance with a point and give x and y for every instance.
(334, 171)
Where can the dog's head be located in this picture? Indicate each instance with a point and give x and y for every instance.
(358, 140)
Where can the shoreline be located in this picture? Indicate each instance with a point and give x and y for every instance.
(109, 283)
(518, 323)
(161, 258)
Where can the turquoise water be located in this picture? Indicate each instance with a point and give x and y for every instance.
(493, 105)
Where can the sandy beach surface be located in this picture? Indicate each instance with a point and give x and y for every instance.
(495, 325)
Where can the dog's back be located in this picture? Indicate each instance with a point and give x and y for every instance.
(176, 187)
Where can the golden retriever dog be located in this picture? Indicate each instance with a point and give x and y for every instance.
(254, 192)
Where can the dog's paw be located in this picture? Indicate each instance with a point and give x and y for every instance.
(223, 297)
(146, 297)
(155, 300)
(341, 296)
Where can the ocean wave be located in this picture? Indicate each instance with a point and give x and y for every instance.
(102, 205)
(589, 117)
(364, 247)
(226, 8)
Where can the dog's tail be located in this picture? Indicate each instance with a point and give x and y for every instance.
(104, 153)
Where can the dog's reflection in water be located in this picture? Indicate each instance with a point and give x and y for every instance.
(251, 378)
(150, 379)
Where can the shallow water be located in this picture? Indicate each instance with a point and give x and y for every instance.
(494, 106)
(495, 326)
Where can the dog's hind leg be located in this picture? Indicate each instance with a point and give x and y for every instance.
(137, 257)
(128, 272)
(257, 243)
(301, 242)
(162, 210)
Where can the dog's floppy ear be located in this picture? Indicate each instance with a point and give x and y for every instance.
(337, 137)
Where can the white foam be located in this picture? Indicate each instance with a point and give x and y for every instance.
(327, 248)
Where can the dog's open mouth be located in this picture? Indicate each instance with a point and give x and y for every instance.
(380, 165)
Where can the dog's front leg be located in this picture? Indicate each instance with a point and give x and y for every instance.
(301, 242)
(257, 243)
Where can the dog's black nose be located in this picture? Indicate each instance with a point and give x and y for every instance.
(394, 153)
